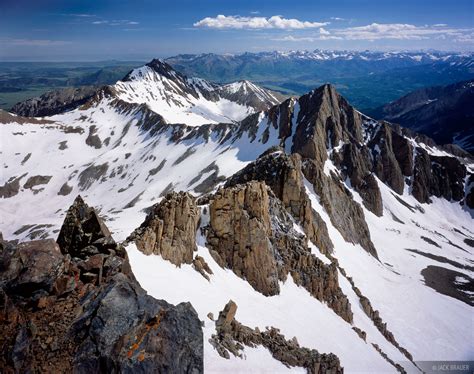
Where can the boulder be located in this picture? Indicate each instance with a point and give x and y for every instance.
(82, 227)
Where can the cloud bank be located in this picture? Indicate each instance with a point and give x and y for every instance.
(238, 22)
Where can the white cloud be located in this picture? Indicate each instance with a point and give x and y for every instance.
(400, 31)
(255, 12)
(337, 19)
(238, 22)
(301, 39)
(323, 31)
(297, 39)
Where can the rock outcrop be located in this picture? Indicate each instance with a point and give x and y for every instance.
(282, 173)
(169, 230)
(252, 233)
(231, 336)
(439, 176)
(75, 306)
(239, 235)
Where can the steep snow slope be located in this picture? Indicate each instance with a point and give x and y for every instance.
(396, 286)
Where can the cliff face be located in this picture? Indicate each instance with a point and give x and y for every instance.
(170, 229)
(75, 306)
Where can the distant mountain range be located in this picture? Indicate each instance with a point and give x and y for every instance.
(445, 113)
(368, 79)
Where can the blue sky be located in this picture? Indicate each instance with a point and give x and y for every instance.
(142, 29)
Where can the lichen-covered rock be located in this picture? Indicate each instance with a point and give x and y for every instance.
(169, 230)
(231, 336)
(79, 309)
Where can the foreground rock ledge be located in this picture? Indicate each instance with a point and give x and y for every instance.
(75, 306)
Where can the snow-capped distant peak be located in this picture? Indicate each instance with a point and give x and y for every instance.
(193, 101)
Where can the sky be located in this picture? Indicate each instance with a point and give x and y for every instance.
(89, 30)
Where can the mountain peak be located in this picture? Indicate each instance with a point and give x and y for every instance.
(161, 67)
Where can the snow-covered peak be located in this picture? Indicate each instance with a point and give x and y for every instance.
(191, 101)
(244, 91)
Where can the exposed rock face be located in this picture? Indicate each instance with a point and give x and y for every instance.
(169, 230)
(54, 102)
(231, 336)
(328, 119)
(251, 233)
(282, 173)
(239, 235)
(438, 176)
(356, 165)
(387, 166)
(325, 120)
(345, 214)
(76, 307)
(11, 187)
(470, 194)
(37, 180)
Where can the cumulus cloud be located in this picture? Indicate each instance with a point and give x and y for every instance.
(337, 19)
(238, 22)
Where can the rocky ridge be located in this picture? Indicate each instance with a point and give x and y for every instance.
(231, 336)
(54, 102)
